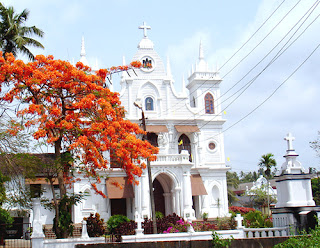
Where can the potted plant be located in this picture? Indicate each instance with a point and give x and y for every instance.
(205, 216)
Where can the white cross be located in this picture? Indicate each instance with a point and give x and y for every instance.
(289, 139)
(239, 220)
(144, 27)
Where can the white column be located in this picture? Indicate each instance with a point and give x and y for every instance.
(37, 236)
(205, 200)
(167, 198)
(177, 201)
(84, 234)
(138, 207)
(145, 196)
(188, 212)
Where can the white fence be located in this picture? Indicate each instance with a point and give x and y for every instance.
(39, 241)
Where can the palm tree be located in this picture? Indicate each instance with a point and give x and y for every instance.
(267, 162)
(232, 183)
(14, 35)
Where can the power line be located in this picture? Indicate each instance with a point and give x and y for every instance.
(247, 85)
(253, 34)
(235, 52)
(314, 50)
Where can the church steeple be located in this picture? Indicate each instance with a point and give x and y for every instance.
(83, 58)
(202, 65)
(201, 56)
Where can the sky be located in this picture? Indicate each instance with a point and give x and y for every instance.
(288, 87)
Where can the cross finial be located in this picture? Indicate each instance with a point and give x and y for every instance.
(144, 27)
(289, 139)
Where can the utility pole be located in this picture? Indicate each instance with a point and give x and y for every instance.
(153, 209)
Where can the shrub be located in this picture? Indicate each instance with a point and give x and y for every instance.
(219, 242)
(225, 223)
(305, 240)
(125, 228)
(241, 210)
(115, 221)
(159, 215)
(95, 225)
(180, 226)
(162, 224)
(257, 220)
(204, 226)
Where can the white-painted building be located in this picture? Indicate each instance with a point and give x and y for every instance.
(189, 175)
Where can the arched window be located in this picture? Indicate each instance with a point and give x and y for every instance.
(215, 195)
(184, 144)
(208, 99)
(88, 200)
(149, 103)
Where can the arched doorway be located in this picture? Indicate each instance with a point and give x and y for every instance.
(184, 144)
(158, 197)
(163, 194)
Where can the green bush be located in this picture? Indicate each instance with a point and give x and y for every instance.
(5, 218)
(219, 242)
(115, 221)
(305, 240)
(159, 215)
(257, 220)
(95, 225)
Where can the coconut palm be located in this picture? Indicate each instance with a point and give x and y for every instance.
(266, 163)
(232, 183)
(14, 35)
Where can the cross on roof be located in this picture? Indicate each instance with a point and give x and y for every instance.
(144, 27)
(289, 139)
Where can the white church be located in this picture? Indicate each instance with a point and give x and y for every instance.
(189, 174)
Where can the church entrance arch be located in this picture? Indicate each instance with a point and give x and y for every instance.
(163, 186)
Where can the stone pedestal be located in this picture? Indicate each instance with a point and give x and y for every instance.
(294, 190)
(37, 237)
(295, 208)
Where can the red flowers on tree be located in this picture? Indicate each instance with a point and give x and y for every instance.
(72, 109)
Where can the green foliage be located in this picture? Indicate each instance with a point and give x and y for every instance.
(159, 215)
(315, 184)
(267, 162)
(305, 240)
(95, 225)
(219, 242)
(115, 221)
(248, 177)
(5, 217)
(65, 224)
(205, 216)
(3, 196)
(259, 197)
(255, 219)
(14, 35)
(232, 183)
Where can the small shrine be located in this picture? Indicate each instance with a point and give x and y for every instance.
(295, 208)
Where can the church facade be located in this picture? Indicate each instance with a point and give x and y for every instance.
(189, 174)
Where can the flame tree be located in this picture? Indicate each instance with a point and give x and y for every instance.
(72, 110)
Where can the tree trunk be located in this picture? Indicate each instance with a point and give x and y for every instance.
(60, 231)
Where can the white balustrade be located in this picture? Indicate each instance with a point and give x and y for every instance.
(171, 159)
(265, 232)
